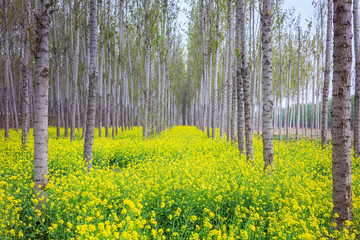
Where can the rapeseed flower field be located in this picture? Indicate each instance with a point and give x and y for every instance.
(178, 185)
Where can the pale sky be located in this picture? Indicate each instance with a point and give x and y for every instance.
(182, 18)
(304, 8)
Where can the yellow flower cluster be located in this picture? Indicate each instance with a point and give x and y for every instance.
(177, 185)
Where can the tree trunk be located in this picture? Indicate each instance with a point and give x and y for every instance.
(234, 106)
(215, 89)
(306, 106)
(6, 72)
(341, 114)
(41, 135)
(317, 110)
(66, 59)
(298, 90)
(287, 116)
(146, 125)
(224, 112)
(108, 96)
(204, 64)
(275, 114)
(74, 73)
(325, 96)
(100, 91)
(113, 105)
(13, 101)
(281, 82)
(159, 87)
(93, 81)
(78, 114)
(357, 79)
(267, 84)
(303, 112)
(25, 77)
(31, 101)
(57, 77)
(87, 67)
(230, 74)
(291, 112)
(109, 75)
(259, 130)
(312, 106)
(240, 9)
(253, 65)
(209, 92)
(117, 108)
(239, 82)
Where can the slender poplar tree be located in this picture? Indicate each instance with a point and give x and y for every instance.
(93, 83)
(341, 114)
(245, 75)
(267, 131)
(41, 135)
(357, 79)
(325, 95)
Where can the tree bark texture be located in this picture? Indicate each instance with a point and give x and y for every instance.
(267, 135)
(245, 75)
(93, 82)
(298, 90)
(25, 77)
(239, 82)
(41, 135)
(6, 73)
(341, 113)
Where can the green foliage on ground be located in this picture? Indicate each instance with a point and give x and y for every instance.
(178, 185)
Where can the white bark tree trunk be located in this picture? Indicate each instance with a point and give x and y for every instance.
(57, 78)
(245, 75)
(146, 123)
(66, 59)
(325, 96)
(239, 82)
(215, 89)
(209, 92)
(230, 74)
(100, 90)
(312, 106)
(41, 135)
(13, 100)
(281, 81)
(287, 116)
(74, 73)
(259, 114)
(6, 72)
(306, 105)
(298, 88)
(357, 78)
(87, 66)
(109, 76)
(25, 76)
(93, 82)
(224, 108)
(267, 136)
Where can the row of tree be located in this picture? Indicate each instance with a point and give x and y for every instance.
(135, 59)
(111, 64)
(81, 64)
(303, 73)
(267, 57)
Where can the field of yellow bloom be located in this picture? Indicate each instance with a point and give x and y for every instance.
(178, 185)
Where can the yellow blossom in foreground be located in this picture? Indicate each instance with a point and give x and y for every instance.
(177, 185)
